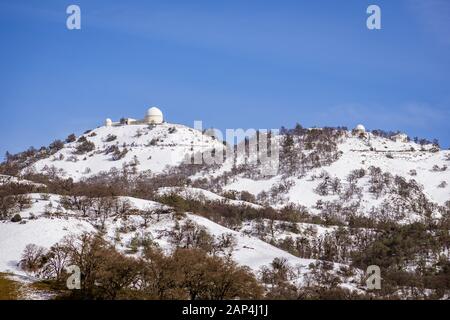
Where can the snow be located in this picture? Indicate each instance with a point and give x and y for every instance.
(252, 186)
(45, 232)
(40, 202)
(251, 251)
(5, 179)
(143, 205)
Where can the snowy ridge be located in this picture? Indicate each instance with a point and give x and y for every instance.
(152, 148)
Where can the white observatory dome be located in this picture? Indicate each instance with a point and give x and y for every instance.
(154, 116)
(360, 128)
(108, 122)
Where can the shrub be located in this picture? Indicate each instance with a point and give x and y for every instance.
(22, 201)
(247, 196)
(443, 184)
(71, 138)
(117, 154)
(110, 138)
(85, 146)
(56, 145)
(16, 218)
(13, 199)
(45, 197)
(32, 258)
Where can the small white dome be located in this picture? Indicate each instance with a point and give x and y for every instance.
(153, 111)
(360, 127)
(108, 122)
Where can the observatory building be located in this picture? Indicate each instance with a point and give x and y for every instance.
(400, 137)
(359, 129)
(152, 116)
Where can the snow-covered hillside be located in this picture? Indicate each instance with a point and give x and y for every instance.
(146, 147)
(336, 194)
(360, 173)
(46, 223)
(157, 148)
(409, 160)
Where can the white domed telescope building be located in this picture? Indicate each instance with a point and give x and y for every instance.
(359, 130)
(153, 116)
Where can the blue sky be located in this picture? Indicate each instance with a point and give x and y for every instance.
(231, 64)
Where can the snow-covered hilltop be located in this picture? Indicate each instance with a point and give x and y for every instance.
(426, 164)
(143, 147)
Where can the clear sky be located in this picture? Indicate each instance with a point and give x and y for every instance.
(233, 64)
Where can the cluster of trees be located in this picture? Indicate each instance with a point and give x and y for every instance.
(190, 271)
(110, 138)
(413, 258)
(303, 149)
(231, 216)
(116, 153)
(84, 146)
(385, 134)
(97, 207)
(277, 193)
(390, 134)
(108, 274)
(242, 195)
(400, 247)
(14, 163)
(328, 185)
(337, 245)
(320, 283)
(403, 197)
(13, 199)
(189, 235)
